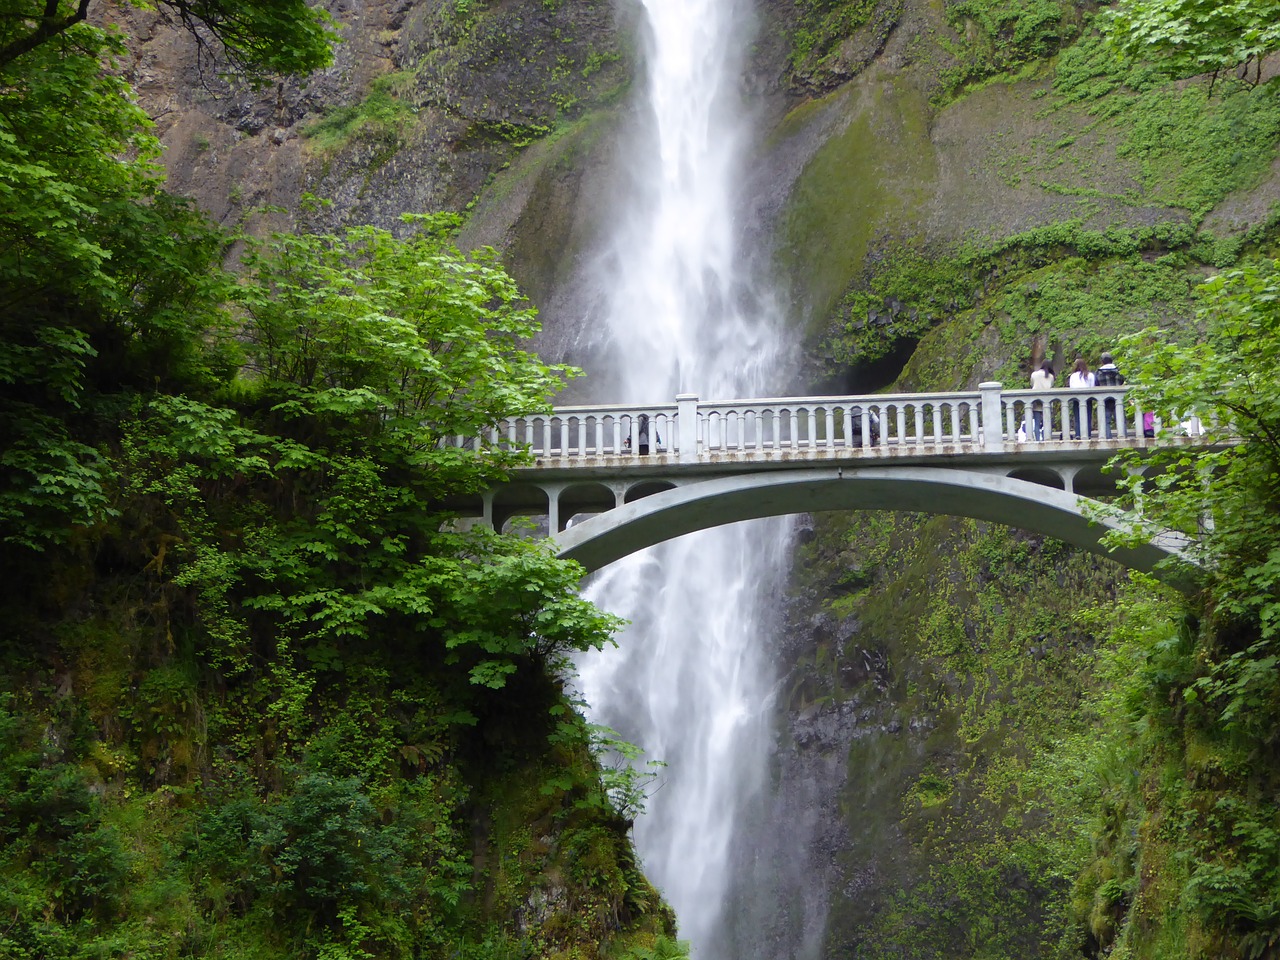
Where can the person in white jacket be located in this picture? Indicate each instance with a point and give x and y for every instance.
(1041, 379)
(1081, 379)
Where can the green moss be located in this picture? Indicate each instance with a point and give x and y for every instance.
(382, 115)
(984, 312)
(1187, 149)
(823, 24)
(1002, 36)
(874, 174)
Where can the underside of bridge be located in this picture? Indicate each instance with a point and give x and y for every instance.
(1037, 504)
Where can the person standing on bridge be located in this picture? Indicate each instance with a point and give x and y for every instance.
(1081, 379)
(1041, 379)
(642, 435)
(1108, 375)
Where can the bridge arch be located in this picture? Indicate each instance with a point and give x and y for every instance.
(606, 537)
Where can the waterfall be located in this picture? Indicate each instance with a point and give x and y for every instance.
(691, 680)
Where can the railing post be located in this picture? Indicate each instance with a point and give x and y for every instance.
(992, 417)
(687, 421)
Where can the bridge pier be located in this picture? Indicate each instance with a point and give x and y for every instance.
(1068, 475)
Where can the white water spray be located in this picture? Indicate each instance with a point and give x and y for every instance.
(691, 681)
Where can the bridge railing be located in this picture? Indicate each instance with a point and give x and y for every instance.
(1079, 414)
(591, 431)
(818, 423)
(689, 430)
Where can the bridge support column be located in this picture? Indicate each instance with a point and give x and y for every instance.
(553, 509)
(687, 421)
(992, 417)
(1068, 475)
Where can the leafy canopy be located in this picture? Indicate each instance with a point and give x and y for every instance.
(257, 37)
(108, 285)
(1187, 38)
(1227, 496)
(364, 355)
(422, 340)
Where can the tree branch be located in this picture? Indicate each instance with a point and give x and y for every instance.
(50, 25)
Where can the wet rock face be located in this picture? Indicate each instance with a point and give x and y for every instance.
(848, 749)
(424, 103)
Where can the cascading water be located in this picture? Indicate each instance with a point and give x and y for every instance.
(691, 681)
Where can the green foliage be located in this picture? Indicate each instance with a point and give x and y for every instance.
(51, 825)
(1002, 35)
(1185, 855)
(823, 25)
(1191, 150)
(258, 39)
(907, 292)
(1054, 281)
(365, 355)
(619, 787)
(1181, 149)
(267, 687)
(325, 847)
(409, 332)
(381, 115)
(107, 285)
(662, 948)
(1186, 38)
(1224, 496)
(263, 39)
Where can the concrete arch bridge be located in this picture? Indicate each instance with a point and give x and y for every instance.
(613, 480)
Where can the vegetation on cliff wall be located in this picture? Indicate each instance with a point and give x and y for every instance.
(1001, 36)
(259, 697)
(1052, 778)
(971, 661)
(1208, 708)
(1186, 152)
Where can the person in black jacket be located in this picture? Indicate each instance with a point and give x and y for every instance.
(1108, 375)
